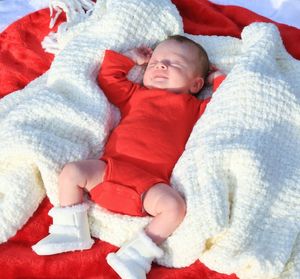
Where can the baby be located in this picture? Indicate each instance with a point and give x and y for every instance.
(133, 175)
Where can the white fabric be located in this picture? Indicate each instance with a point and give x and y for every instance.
(240, 171)
(76, 11)
(282, 11)
(243, 159)
(63, 116)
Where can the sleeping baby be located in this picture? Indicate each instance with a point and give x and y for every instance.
(133, 175)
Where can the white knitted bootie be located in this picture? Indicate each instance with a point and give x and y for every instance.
(69, 232)
(133, 260)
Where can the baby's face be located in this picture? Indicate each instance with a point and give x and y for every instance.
(172, 66)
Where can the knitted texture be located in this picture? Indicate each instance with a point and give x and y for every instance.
(241, 163)
(240, 171)
(63, 115)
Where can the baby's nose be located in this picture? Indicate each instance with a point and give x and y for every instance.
(161, 65)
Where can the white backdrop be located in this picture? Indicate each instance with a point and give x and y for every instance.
(282, 11)
(11, 10)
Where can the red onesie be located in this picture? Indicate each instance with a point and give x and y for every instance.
(144, 148)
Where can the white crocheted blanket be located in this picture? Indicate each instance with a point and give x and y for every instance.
(240, 172)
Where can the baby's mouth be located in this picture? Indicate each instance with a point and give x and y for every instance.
(160, 77)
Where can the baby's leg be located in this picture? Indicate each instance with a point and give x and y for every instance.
(70, 229)
(168, 208)
(77, 176)
(134, 259)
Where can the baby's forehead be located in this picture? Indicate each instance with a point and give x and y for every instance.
(172, 47)
(169, 43)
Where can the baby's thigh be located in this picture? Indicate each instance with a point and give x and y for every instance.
(162, 197)
(86, 173)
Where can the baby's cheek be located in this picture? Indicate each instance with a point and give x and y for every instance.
(179, 77)
(146, 80)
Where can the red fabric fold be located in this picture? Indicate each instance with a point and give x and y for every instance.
(22, 59)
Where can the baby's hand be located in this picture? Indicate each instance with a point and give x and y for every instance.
(213, 73)
(140, 55)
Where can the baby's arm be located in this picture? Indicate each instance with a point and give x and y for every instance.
(112, 78)
(215, 78)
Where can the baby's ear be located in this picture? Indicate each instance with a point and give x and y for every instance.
(197, 85)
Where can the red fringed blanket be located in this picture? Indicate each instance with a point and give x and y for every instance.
(22, 59)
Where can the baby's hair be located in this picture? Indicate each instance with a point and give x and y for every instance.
(203, 57)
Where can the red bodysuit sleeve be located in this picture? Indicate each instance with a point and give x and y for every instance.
(112, 78)
(216, 83)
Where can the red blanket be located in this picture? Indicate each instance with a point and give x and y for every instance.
(22, 59)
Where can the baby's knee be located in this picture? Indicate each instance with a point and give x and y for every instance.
(164, 199)
(71, 172)
(174, 204)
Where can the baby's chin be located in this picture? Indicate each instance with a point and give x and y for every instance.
(156, 85)
(173, 90)
(161, 85)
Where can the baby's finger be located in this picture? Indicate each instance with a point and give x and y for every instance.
(213, 67)
(146, 50)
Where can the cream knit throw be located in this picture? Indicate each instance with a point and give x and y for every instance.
(240, 171)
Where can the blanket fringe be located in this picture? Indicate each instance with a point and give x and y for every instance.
(76, 11)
